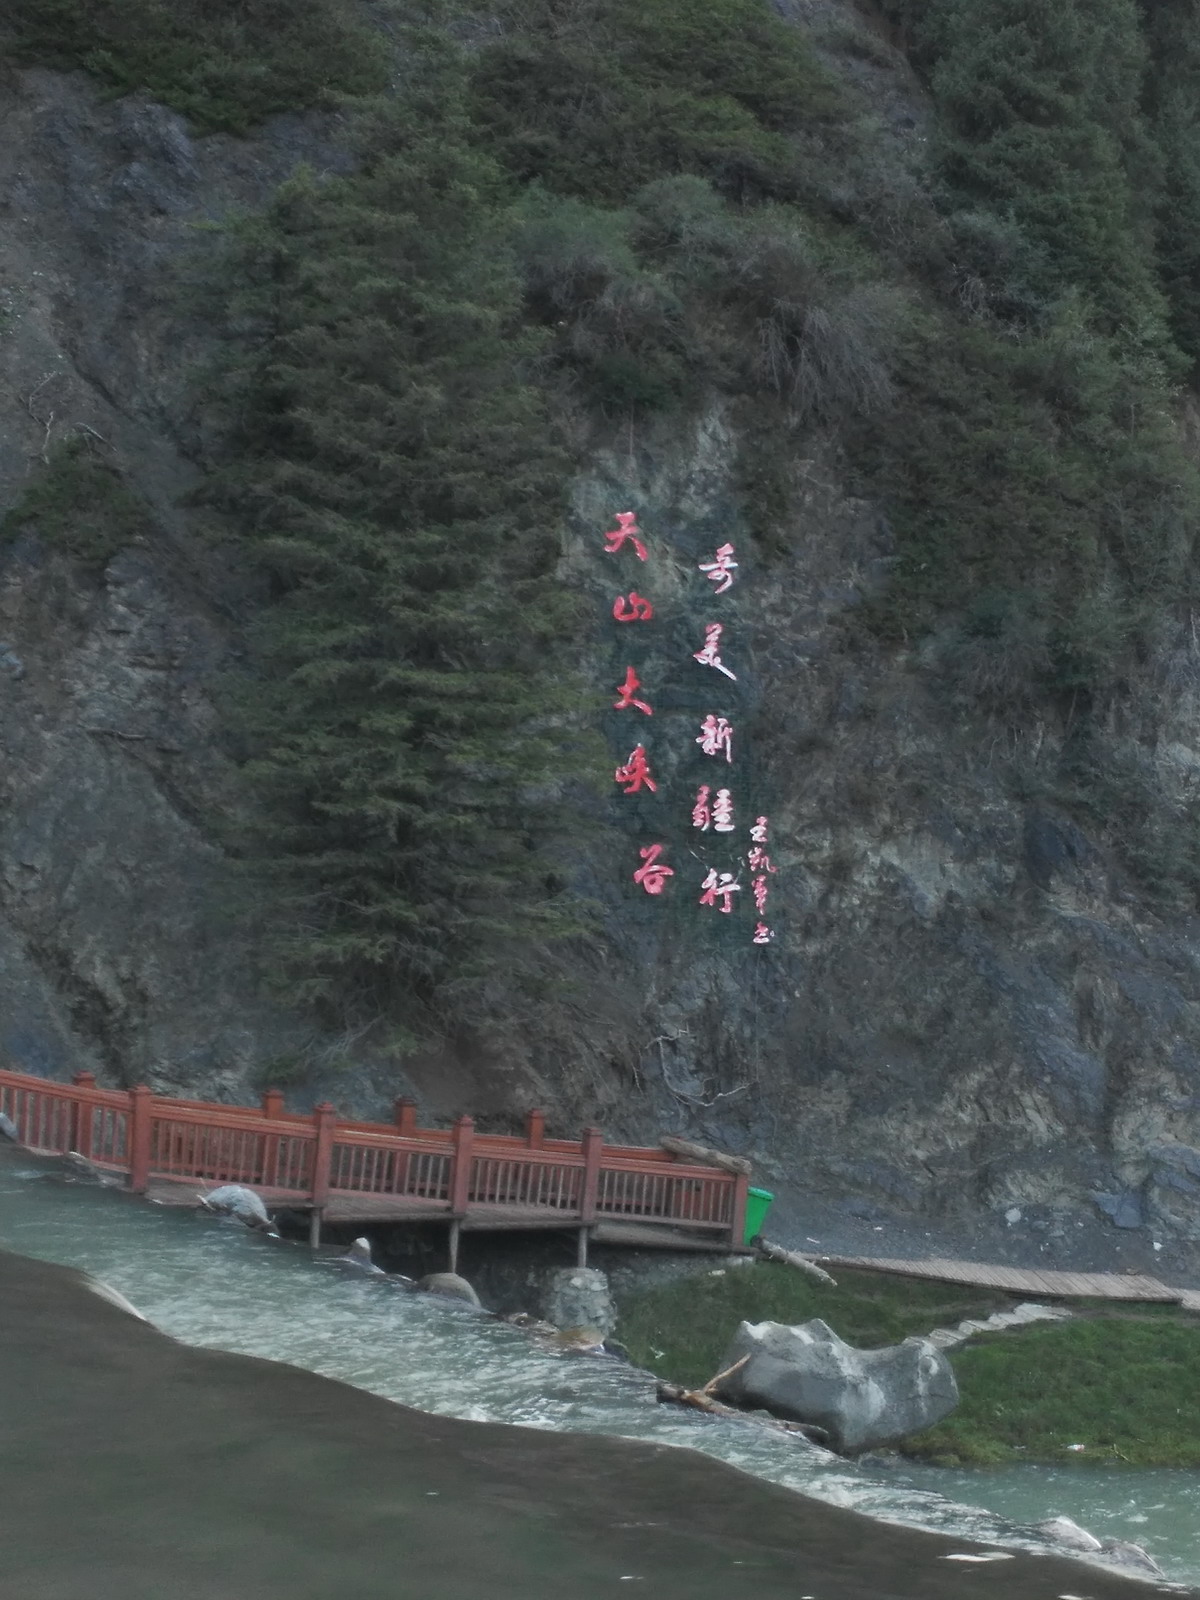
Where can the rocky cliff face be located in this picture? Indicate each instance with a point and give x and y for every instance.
(969, 1003)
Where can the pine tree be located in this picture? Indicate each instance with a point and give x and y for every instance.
(393, 473)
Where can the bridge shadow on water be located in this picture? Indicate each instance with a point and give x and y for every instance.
(133, 1467)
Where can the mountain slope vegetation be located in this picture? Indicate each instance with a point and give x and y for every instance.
(611, 212)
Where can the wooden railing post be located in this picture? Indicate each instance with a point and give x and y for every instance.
(593, 1147)
(272, 1103)
(141, 1115)
(81, 1116)
(324, 1120)
(404, 1114)
(737, 1226)
(462, 1154)
(535, 1129)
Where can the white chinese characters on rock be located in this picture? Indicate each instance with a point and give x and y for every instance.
(716, 737)
(720, 570)
(710, 654)
(719, 886)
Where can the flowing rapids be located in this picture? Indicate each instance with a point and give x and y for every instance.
(213, 1284)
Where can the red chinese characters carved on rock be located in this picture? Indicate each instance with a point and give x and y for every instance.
(634, 608)
(635, 774)
(759, 860)
(626, 529)
(720, 569)
(652, 874)
(758, 832)
(762, 934)
(710, 655)
(628, 691)
(702, 811)
(722, 812)
(760, 887)
(715, 738)
(719, 886)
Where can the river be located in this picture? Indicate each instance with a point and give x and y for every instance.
(213, 1284)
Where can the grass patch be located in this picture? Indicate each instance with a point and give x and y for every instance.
(1123, 1385)
(682, 1330)
(1123, 1381)
(80, 502)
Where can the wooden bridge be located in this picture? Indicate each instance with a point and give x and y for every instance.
(361, 1172)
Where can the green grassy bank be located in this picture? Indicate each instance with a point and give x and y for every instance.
(1123, 1382)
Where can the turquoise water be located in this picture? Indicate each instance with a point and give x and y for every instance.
(212, 1283)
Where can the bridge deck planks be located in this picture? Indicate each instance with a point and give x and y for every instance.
(1021, 1280)
(353, 1209)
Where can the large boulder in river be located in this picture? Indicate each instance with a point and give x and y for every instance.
(236, 1200)
(1061, 1530)
(861, 1398)
(578, 1297)
(450, 1285)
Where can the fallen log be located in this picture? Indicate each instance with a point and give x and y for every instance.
(701, 1156)
(792, 1258)
(704, 1400)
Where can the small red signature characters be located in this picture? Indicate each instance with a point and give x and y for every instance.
(758, 832)
(723, 812)
(720, 569)
(760, 861)
(762, 934)
(635, 608)
(715, 737)
(627, 691)
(652, 874)
(710, 655)
(626, 528)
(702, 811)
(719, 886)
(635, 774)
(760, 887)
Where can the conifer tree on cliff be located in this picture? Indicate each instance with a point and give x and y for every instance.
(393, 476)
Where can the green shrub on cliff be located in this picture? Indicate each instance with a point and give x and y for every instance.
(596, 100)
(1034, 451)
(225, 64)
(78, 500)
(1173, 113)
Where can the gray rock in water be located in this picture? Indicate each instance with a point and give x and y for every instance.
(449, 1284)
(1061, 1530)
(235, 1200)
(861, 1398)
(81, 1170)
(358, 1259)
(578, 1297)
(9, 1128)
(1130, 1555)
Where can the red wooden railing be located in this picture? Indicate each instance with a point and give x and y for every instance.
(321, 1157)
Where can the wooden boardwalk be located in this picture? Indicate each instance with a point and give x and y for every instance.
(367, 1209)
(1021, 1280)
(343, 1172)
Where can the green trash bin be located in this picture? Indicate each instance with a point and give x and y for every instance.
(758, 1203)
